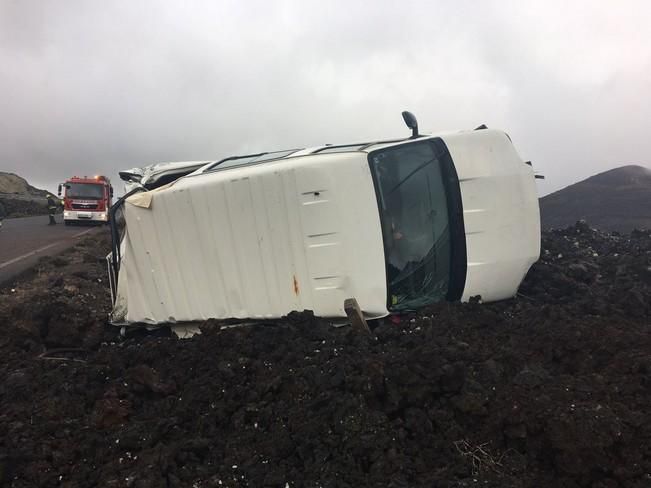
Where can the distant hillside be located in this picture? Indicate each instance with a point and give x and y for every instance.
(14, 184)
(619, 199)
(18, 198)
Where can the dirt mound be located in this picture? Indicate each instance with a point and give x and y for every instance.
(548, 389)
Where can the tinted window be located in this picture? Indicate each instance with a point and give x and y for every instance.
(244, 160)
(234, 162)
(415, 224)
(338, 149)
(274, 155)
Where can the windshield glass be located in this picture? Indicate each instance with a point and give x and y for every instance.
(89, 191)
(415, 227)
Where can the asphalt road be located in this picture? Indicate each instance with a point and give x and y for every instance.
(23, 241)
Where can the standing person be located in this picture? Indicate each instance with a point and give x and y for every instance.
(52, 208)
(3, 213)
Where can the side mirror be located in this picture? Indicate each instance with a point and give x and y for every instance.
(111, 190)
(412, 123)
(59, 191)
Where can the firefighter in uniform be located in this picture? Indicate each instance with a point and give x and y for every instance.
(52, 208)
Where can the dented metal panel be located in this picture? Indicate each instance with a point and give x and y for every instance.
(255, 242)
(304, 233)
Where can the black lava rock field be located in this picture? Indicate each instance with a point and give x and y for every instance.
(549, 389)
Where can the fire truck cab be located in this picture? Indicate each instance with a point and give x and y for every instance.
(86, 199)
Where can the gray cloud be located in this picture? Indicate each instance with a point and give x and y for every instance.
(93, 87)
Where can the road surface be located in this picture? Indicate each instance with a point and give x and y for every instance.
(23, 241)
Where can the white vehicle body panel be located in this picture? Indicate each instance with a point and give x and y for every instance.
(500, 213)
(255, 242)
(304, 233)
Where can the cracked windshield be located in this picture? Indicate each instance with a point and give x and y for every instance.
(414, 215)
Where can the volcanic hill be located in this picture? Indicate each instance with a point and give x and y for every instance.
(18, 198)
(615, 200)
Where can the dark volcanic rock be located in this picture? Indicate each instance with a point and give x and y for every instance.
(551, 388)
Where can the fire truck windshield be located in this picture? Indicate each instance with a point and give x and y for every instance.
(88, 191)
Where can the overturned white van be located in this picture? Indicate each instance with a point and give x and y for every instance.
(397, 225)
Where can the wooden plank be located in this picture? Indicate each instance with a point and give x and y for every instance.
(354, 313)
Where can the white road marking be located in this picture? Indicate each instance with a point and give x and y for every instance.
(82, 233)
(39, 250)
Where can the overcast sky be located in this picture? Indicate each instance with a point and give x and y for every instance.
(91, 87)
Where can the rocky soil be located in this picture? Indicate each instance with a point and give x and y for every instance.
(550, 389)
(13, 207)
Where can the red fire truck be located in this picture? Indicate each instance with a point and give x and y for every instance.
(86, 199)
